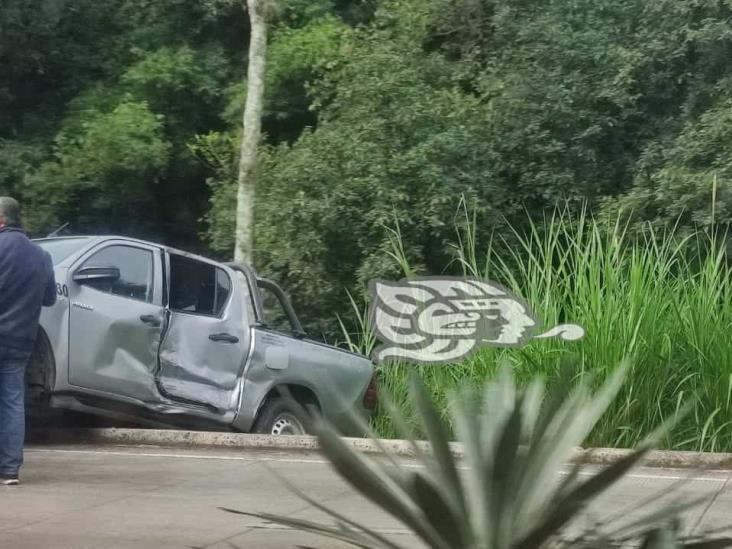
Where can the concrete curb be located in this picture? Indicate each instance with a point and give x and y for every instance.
(244, 441)
(657, 458)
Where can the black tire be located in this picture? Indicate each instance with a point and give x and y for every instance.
(40, 378)
(281, 417)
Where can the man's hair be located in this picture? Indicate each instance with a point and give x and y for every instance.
(9, 210)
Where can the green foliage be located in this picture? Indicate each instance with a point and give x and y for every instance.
(583, 88)
(218, 152)
(296, 13)
(122, 141)
(382, 112)
(509, 495)
(688, 180)
(63, 61)
(368, 169)
(68, 66)
(295, 60)
(49, 49)
(16, 160)
(177, 81)
(106, 164)
(641, 299)
(517, 107)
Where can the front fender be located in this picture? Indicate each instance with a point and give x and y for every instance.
(55, 323)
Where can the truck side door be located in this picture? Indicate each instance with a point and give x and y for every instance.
(115, 321)
(207, 341)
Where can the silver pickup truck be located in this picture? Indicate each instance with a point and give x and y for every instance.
(154, 335)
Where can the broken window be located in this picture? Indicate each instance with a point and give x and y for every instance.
(197, 287)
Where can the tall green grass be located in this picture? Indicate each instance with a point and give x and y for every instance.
(658, 301)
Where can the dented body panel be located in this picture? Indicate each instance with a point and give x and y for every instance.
(149, 332)
(283, 360)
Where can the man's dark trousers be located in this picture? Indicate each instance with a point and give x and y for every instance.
(26, 284)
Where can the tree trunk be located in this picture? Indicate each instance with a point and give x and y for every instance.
(244, 246)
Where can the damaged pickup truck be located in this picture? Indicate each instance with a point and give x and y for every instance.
(146, 333)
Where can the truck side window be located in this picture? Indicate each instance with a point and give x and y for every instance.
(223, 291)
(135, 268)
(197, 287)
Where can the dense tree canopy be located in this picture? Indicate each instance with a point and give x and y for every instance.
(124, 116)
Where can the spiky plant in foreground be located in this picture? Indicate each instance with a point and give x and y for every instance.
(510, 494)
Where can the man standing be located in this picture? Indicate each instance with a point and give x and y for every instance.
(26, 283)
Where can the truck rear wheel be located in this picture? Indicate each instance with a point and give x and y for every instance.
(280, 417)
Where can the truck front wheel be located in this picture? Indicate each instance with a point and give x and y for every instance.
(40, 379)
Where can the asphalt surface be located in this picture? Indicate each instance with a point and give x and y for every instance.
(80, 497)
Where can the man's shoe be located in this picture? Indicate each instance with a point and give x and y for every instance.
(9, 480)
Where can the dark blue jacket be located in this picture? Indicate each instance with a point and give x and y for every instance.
(26, 283)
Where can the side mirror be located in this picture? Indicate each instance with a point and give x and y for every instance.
(96, 274)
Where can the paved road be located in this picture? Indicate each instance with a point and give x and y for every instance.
(121, 497)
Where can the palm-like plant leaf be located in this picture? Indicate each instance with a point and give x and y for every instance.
(510, 494)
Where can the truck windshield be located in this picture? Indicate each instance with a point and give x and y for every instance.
(61, 248)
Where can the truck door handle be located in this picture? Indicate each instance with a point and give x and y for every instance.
(225, 338)
(152, 320)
